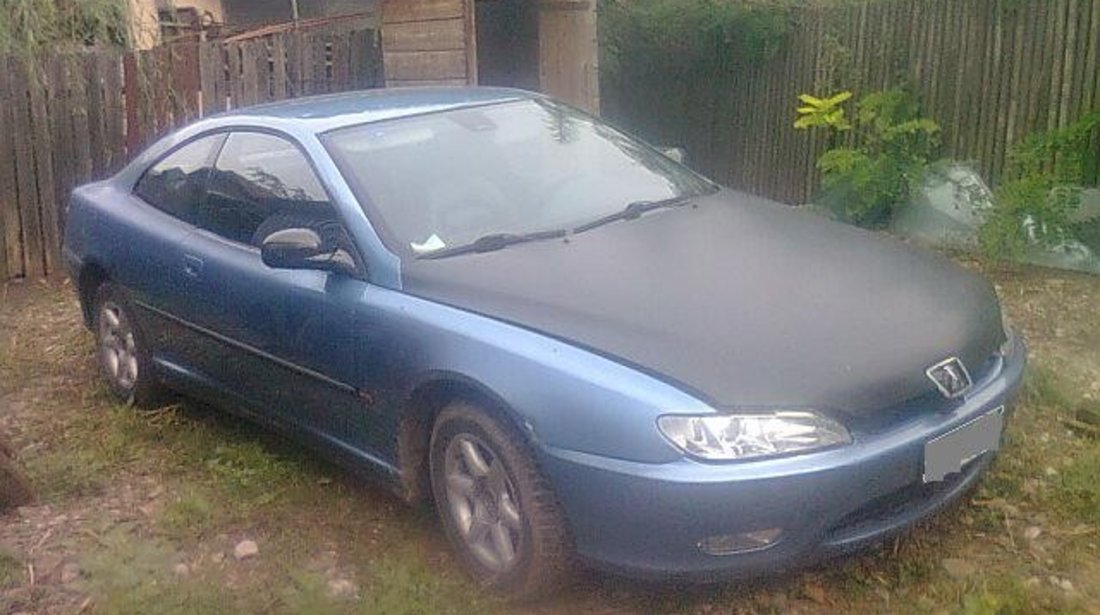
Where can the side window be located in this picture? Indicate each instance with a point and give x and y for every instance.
(176, 184)
(260, 184)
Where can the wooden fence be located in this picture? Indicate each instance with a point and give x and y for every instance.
(989, 71)
(68, 118)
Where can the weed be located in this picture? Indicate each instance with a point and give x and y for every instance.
(188, 515)
(249, 472)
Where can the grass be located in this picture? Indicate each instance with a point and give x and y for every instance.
(1004, 597)
(403, 586)
(1053, 467)
(130, 575)
(189, 515)
(11, 568)
(1074, 488)
(1078, 491)
(250, 473)
(67, 474)
(232, 477)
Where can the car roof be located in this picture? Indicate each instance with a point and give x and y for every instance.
(330, 111)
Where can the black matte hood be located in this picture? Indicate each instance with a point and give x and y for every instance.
(741, 301)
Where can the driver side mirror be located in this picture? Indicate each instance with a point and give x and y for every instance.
(303, 248)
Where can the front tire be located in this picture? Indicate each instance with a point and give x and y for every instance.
(123, 357)
(498, 511)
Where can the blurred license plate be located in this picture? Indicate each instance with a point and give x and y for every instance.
(948, 453)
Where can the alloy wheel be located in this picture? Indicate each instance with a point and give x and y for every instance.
(482, 502)
(117, 347)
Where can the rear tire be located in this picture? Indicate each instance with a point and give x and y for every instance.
(497, 509)
(123, 356)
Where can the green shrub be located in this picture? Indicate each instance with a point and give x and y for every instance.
(893, 146)
(1042, 184)
(697, 36)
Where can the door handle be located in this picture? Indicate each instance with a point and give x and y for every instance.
(192, 266)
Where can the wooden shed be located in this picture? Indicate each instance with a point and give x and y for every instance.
(548, 45)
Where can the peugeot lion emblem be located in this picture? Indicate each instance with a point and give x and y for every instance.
(950, 376)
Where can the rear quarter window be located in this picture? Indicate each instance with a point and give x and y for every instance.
(177, 183)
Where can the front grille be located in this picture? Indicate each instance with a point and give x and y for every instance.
(884, 510)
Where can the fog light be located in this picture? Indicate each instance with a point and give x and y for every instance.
(728, 544)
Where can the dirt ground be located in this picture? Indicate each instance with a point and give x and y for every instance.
(185, 510)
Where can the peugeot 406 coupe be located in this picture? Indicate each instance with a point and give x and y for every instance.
(577, 348)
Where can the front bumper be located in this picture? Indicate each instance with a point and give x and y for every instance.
(647, 520)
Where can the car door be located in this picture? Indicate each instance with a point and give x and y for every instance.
(152, 265)
(277, 338)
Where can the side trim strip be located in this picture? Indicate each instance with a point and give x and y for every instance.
(250, 349)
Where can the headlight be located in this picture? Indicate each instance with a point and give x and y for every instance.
(746, 436)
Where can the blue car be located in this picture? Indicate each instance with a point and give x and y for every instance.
(580, 350)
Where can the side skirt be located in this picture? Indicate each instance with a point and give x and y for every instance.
(205, 389)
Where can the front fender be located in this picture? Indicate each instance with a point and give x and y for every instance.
(565, 397)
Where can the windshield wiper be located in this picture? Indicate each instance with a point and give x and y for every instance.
(633, 210)
(495, 241)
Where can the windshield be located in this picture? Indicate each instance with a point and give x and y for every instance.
(443, 180)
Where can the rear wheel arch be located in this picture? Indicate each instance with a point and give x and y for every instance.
(91, 277)
(421, 408)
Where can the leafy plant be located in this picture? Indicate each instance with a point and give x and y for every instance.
(825, 112)
(1041, 190)
(893, 146)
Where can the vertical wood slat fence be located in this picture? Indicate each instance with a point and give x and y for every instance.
(989, 71)
(69, 118)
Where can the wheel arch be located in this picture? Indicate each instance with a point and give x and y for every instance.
(422, 405)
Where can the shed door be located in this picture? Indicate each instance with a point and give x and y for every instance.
(508, 43)
(568, 52)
